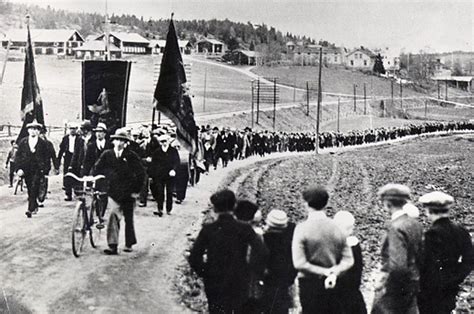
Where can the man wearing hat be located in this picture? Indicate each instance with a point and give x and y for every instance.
(30, 163)
(281, 273)
(402, 247)
(124, 173)
(449, 256)
(87, 136)
(320, 254)
(162, 170)
(69, 144)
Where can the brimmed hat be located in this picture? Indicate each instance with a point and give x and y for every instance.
(101, 127)
(394, 191)
(277, 219)
(35, 125)
(121, 134)
(86, 125)
(72, 125)
(438, 201)
(163, 137)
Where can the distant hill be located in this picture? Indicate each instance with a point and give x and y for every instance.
(233, 34)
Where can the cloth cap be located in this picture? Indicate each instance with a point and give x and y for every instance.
(277, 219)
(437, 200)
(394, 191)
(101, 127)
(35, 125)
(121, 134)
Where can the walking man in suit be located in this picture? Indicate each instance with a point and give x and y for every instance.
(124, 173)
(449, 256)
(401, 255)
(68, 146)
(164, 164)
(31, 163)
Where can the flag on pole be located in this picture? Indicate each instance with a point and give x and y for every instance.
(171, 94)
(31, 103)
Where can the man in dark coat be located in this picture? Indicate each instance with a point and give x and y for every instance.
(397, 290)
(225, 243)
(95, 148)
(449, 256)
(69, 144)
(124, 172)
(162, 170)
(31, 163)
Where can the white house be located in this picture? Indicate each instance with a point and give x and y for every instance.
(360, 58)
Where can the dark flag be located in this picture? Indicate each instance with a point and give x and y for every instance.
(104, 92)
(171, 97)
(31, 103)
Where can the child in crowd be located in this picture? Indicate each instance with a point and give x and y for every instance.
(349, 282)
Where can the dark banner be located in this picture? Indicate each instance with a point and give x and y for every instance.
(104, 92)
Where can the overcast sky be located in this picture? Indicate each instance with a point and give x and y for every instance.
(413, 25)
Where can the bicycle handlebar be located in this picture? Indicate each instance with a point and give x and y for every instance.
(85, 178)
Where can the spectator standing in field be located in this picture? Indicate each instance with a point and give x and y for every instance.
(11, 161)
(30, 163)
(349, 282)
(225, 270)
(280, 274)
(248, 212)
(320, 255)
(164, 163)
(449, 256)
(401, 255)
(69, 144)
(124, 173)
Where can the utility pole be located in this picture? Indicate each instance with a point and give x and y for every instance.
(392, 92)
(307, 98)
(107, 34)
(365, 101)
(252, 83)
(426, 108)
(401, 95)
(258, 98)
(338, 112)
(446, 92)
(294, 89)
(204, 99)
(355, 106)
(274, 101)
(318, 110)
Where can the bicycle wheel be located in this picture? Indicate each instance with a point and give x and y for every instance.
(94, 235)
(78, 229)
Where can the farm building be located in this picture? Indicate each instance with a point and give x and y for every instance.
(462, 82)
(157, 46)
(240, 56)
(95, 50)
(59, 42)
(129, 43)
(309, 54)
(210, 46)
(360, 58)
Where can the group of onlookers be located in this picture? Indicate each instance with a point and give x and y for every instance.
(250, 267)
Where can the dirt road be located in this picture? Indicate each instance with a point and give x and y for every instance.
(38, 272)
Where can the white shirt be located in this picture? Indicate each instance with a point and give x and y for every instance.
(118, 153)
(72, 139)
(32, 141)
(100, 144)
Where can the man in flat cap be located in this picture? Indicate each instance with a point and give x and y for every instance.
(449, 256)
(402, 246)
(320, 254)
(69, 145)
(30, 163)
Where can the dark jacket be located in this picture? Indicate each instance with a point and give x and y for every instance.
(280, 269)
(64, 146)
(92, 154)
(31, 162)
(124, 175)
(225, 272)
(449, 257)
(163, 162)
(51, 157)
(77, 161)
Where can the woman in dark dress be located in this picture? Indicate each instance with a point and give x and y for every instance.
(349, 282)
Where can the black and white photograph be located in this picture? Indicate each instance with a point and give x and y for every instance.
(237, 157)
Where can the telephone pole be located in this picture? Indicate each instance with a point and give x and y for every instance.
(318, 110)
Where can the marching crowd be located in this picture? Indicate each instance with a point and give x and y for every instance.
(246, 269)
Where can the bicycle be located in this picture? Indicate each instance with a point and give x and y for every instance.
(88, 207)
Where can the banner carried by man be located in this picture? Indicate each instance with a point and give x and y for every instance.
(171, 93)
(31, 102)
